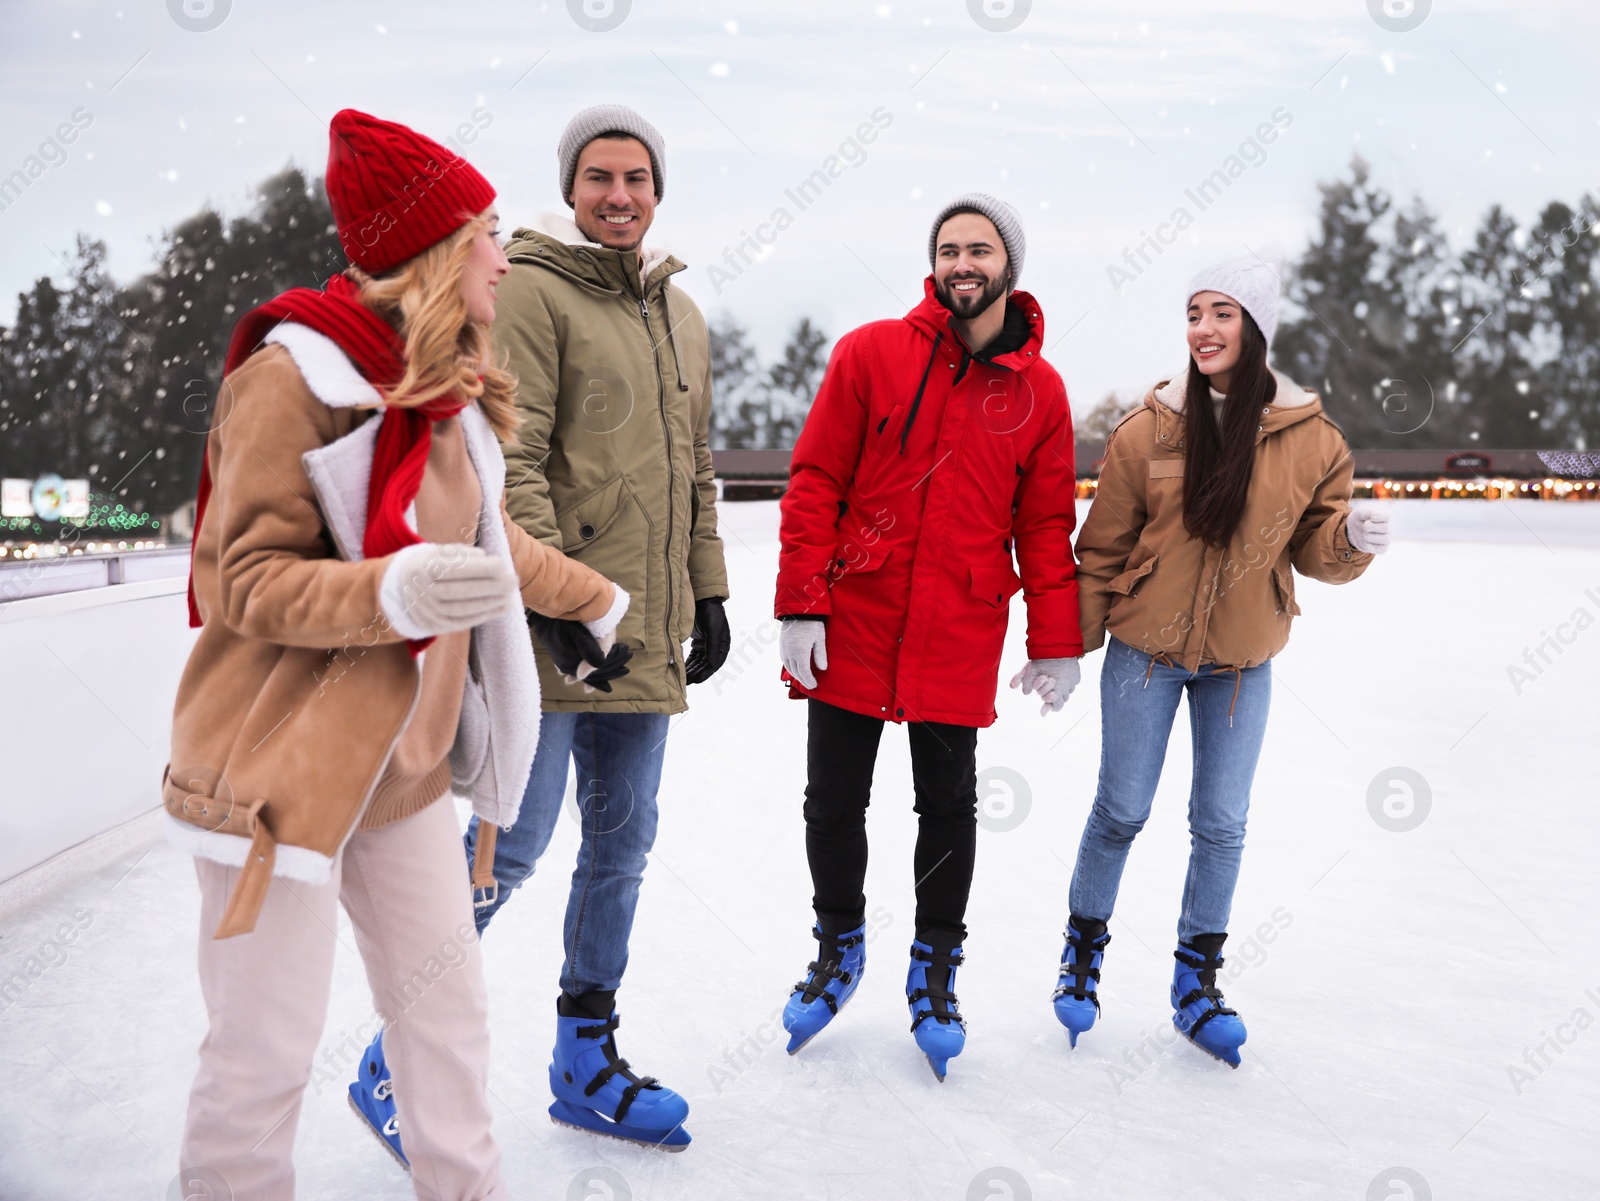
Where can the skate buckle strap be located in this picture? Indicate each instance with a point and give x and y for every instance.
(1206, 968)
(1085, 950)
(599, 1029)
(843, 941)
(816, 984)
(952, 1014)
(950, 1011)
(954, 959)
(615, 1066)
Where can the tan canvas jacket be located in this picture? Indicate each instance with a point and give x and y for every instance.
(1147, 582)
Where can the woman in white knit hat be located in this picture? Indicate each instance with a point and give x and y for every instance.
(1227, 479)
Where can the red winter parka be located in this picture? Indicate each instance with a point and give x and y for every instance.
(919, 469)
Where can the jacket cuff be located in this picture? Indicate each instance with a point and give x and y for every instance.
(1055, 650)
(607, 622)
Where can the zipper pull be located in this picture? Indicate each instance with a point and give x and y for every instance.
(644, 308)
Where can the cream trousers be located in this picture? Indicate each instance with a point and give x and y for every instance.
(404, 886)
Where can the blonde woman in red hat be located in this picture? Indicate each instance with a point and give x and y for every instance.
(362, 653)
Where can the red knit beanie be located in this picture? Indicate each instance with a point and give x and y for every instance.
(394, 192)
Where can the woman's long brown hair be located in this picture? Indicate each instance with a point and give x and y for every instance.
(446, 355)
(1219, 458)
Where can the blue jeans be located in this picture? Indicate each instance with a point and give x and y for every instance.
(1227, 721)
(619, 758)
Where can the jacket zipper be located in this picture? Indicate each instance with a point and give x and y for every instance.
(666, 432)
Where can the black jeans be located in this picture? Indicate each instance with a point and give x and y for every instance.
(841, 749)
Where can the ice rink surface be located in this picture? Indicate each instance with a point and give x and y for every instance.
(1421, 1018)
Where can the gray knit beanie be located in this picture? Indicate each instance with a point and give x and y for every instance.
(608, 118)
(1006, 221)
(1251, 281)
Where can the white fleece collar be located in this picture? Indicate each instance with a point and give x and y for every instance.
(327, 370)
(1289, 395)
(565, 229)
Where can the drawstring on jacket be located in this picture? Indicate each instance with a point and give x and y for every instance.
(1165, 661)
(916, 401)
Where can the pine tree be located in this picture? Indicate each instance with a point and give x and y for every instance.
(733, 370)
(1346, 340)
(1502, 392)
(792, 383)
(208, 274)
(1562, 275)
(755, 411)
(61, 382)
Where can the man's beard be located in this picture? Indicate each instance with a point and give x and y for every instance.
(967, 305)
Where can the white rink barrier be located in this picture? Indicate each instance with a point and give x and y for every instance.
(86, 703)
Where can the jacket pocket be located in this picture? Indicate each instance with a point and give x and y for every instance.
(1283, 585)
(1126, 583)
(995, 585)
(856, 556)
(582, 521)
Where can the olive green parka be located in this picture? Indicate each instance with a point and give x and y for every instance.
(611, 463)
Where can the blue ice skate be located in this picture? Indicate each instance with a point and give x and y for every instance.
(936, 1020)
(372, 1097)
(830, 981)
(1198, 1010)
(598, 1092)
(1076, 999)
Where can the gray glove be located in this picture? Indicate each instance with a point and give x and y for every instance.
(800, 639)
(434, 588)
(1368, 530)
(1052, 679)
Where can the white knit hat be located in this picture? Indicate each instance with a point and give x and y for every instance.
(602, 119)
(1007, 223)
(1251, 281)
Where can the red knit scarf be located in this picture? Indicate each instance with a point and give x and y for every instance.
(404, 438)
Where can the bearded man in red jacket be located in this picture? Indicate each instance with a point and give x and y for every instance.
(938, 446)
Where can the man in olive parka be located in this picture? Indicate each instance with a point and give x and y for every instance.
(611, 466)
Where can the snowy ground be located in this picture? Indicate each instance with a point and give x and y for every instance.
(1410, 965)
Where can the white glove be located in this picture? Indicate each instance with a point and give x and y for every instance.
(1052, 679)
(798, 641)
(1368, 530)
(433, 588)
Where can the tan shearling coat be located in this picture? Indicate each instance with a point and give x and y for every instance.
(298, 688)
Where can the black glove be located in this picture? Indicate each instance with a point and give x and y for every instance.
(571, 646)
(708, 645)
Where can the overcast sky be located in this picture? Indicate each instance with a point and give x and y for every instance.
(1093, 120)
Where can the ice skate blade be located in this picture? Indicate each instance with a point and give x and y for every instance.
(794, 1047)
(938, 1071)
(588, 1122)
(373, 1130)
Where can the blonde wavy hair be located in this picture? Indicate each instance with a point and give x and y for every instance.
(446, 355)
